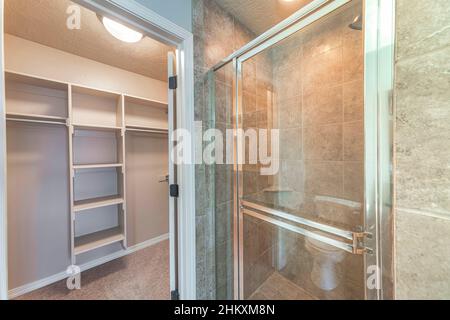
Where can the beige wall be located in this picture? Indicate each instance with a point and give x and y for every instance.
(29, 57)
(422, 152)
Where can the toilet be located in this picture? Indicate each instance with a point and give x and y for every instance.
(326, 272)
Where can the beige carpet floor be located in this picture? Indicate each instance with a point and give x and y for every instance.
(143, 275)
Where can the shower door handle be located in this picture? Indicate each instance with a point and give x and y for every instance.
(354, 240)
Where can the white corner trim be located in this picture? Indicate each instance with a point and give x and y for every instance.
(16, 292)
(186, 174)
(3, 198)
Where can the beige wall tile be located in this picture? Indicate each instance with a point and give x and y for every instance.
(353, 99)
(422, 26)
(323, 105)
(354, 141)
(353, 55)
(288, 84)
(248, 103)
(323, 36)
(289, 113)
(286, 54)
(249, 77)
(291, 175)
(422, 131)
(290, 144)
(324, 142)
(323, 70)
(422, 257)
(354, 181)
(324, 178)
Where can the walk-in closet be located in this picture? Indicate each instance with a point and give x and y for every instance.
(87, 156)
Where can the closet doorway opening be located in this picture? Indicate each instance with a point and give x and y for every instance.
(90, 106)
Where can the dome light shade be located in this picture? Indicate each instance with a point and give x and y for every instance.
(121, 32)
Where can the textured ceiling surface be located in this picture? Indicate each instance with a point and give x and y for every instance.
(44, 22)
(261, 15)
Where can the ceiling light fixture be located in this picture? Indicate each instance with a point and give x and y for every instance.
(120, 31)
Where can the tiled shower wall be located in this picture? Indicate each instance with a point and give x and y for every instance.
(422, 152)
(216, 35)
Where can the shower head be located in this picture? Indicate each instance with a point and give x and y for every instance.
(357, 23)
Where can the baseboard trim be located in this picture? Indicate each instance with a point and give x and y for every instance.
(16, 292)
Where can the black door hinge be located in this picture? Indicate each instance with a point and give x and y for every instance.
(174, 192)
(173, 82)
(174, 295)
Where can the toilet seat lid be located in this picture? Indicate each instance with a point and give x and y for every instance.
(322, 245)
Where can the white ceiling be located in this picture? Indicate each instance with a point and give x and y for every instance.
(44, 22)
(261, 15)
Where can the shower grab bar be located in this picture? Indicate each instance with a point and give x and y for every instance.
(316, 225)
(355, 237)
(310, 234)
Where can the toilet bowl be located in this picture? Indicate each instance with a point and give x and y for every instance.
(326, 272)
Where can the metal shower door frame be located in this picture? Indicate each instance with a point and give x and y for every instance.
(378, 87)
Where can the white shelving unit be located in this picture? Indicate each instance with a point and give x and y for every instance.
(97, 122)
(99, 202)
(94, 112)
(97, 240)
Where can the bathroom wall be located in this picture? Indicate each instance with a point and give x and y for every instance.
(422, 155)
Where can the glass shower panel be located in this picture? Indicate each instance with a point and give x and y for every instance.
(309, 87)
(221, 82)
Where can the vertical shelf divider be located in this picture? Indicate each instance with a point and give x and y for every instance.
(71, 175)
(122, 158)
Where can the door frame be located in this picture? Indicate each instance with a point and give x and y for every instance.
(162, 29)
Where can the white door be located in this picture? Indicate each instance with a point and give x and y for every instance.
(3, 225)
(173, 186)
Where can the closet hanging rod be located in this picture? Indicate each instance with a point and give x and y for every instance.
(36, 121)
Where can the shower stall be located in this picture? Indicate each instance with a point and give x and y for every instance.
(303, 207)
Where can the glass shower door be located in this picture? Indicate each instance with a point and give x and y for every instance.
(300, 223)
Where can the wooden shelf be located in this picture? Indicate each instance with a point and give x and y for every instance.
(97, 240)
(91, 91)
(146, 129)
(35, 118)
(97, 166)
(33, 80)
(96, 127)
(145, 102)
(82, 205)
